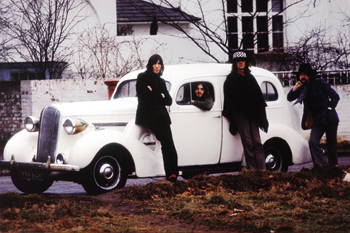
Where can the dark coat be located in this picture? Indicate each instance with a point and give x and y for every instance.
(242, 94)
(151, 109)
(319, 100)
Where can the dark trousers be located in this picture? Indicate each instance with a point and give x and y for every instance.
(163, 134)
(314, 142)
(253, 149)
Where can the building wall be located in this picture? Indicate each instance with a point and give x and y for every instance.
(10, 109)
(38, 93)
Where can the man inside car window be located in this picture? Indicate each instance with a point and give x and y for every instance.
(201, 98)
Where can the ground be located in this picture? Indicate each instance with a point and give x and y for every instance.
(306, 201)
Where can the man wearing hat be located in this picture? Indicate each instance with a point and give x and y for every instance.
(244, 107)
(319, 113)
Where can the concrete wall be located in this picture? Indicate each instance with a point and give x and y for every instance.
(38, 93)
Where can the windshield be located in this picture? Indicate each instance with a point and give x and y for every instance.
(128, 89)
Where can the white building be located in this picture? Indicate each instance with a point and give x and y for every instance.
(259, 26)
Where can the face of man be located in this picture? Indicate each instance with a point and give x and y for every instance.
(199, 91)
(304, 78)
(157, 67)
(240, 64)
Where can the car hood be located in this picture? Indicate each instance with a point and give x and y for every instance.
(98, 108)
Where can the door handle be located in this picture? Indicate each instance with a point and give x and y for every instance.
(218, 116)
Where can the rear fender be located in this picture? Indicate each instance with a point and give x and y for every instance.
(296, 141)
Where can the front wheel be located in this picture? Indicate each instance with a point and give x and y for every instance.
(275, 159)
(104, 174)
(31, 181)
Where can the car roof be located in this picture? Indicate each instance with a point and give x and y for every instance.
(175, 73)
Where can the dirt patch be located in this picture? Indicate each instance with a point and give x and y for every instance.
(307, 201)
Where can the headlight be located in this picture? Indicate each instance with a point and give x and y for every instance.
(31, 124)
(74, 126)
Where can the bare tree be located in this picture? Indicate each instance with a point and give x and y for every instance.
(4, 39)
(100, 55)
(40, 28)
(320, 50)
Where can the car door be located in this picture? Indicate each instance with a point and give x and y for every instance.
(196, 132)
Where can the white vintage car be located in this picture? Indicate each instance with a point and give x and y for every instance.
(98, 145)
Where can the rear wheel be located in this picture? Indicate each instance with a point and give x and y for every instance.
(105, 173)
(31, 181)
(275, 160)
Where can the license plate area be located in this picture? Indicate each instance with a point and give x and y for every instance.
(32, 174)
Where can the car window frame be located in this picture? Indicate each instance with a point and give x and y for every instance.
(210, 89)
(264, 86)
(167, 84)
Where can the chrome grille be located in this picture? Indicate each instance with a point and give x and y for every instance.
(48, 134)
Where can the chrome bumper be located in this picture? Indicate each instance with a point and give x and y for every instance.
(38, 165)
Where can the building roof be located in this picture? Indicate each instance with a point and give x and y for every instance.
(134, 11)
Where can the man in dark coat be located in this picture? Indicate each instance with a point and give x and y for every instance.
(244, 107)
(319, 113)
(151, 113)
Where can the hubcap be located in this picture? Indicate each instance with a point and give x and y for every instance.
(271, 162)
(107, 171)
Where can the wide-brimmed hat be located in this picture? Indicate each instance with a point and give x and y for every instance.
(239, 56)
(306, 68)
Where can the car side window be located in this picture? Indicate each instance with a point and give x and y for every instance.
(187, 92)
(128, 89)
(269, 91)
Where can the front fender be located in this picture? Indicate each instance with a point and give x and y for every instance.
(147, 162)
(22, 146)
(296, 141)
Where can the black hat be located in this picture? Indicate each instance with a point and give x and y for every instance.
(239, 56)
(306, 68)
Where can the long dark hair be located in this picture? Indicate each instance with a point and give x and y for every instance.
(153, 60)
(206, 91)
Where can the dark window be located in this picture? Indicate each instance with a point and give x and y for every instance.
(277, 5)
(186, 92)
(277, 23)
(247, 24)
(248, 41)
(124, 30)
(261, 22)
(277, 41)
(232, 24)
(233, 41)
(247, 5)
(261, 5)
(263, 42)
(231, 6)
(269, 91)
(262, 33)
(277, 33)
(23, 75)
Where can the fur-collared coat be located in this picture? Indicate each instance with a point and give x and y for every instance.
(242, 94)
